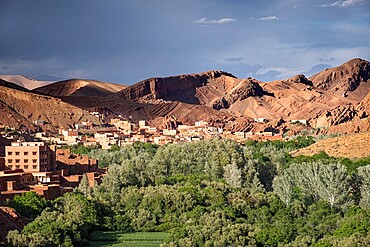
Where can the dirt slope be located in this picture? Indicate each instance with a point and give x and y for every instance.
(23, 81)
(18, 109)
(77, 87)
(183, 112)
(350, 146)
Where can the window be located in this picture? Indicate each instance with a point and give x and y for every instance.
(17, 166)
(25, 153)
(34, 167)
(16, 153)
(10, 161)
(26, 167)
(10, 167)
(25, 160)
(34, 153)
(34, 161)
(10, 153)
(17, 161)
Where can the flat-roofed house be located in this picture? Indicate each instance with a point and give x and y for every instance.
(29, 156)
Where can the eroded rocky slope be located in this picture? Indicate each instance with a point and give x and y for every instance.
(336, 98)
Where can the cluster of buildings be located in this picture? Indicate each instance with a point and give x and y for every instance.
(41, 167)
(38, 167)
(124, 132)
(201, 130)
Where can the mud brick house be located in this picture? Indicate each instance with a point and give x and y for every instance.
(71, 168)
(35, 166)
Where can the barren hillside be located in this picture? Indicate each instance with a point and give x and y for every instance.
(350, 146)
(336, 98)
(77, 87)
(19, 109)
(11, 85)
(219, 95)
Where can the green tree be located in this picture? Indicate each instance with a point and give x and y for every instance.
(233, 175)
(68, 221)
(326, 181)
(284, 187)
(29, 204)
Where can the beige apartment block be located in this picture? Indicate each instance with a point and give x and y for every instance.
(29, 156)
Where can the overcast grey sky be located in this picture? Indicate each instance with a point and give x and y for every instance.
(125, 41)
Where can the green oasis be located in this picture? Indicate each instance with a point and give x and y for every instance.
(211, 193)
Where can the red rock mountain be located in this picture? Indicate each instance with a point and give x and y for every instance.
(217, 95)
(331, 98)
(193, 89)
(351, 79)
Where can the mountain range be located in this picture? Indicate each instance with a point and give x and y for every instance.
(336, 99)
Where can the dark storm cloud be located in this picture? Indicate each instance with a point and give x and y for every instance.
(127, 41)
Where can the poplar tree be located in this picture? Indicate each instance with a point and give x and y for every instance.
(364, 173)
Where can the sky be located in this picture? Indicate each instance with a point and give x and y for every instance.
(126, 41)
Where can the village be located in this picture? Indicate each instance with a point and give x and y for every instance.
(123, 132)
(47, 166)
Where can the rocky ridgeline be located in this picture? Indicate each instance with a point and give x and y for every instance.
(333, 97)
(175, 88)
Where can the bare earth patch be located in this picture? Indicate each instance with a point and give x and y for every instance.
(349, 146)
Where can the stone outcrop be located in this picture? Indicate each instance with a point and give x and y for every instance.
(299, 79)
(246, 88)
(336, 116)
(175, 88)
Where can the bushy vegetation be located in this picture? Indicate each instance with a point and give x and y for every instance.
(215, 193)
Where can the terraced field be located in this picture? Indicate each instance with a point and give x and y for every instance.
(118, 239)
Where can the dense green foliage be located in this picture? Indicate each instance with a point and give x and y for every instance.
(68, 221)
(29, 204)
(216, 193)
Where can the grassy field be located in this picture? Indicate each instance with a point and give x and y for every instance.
(118, 239)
